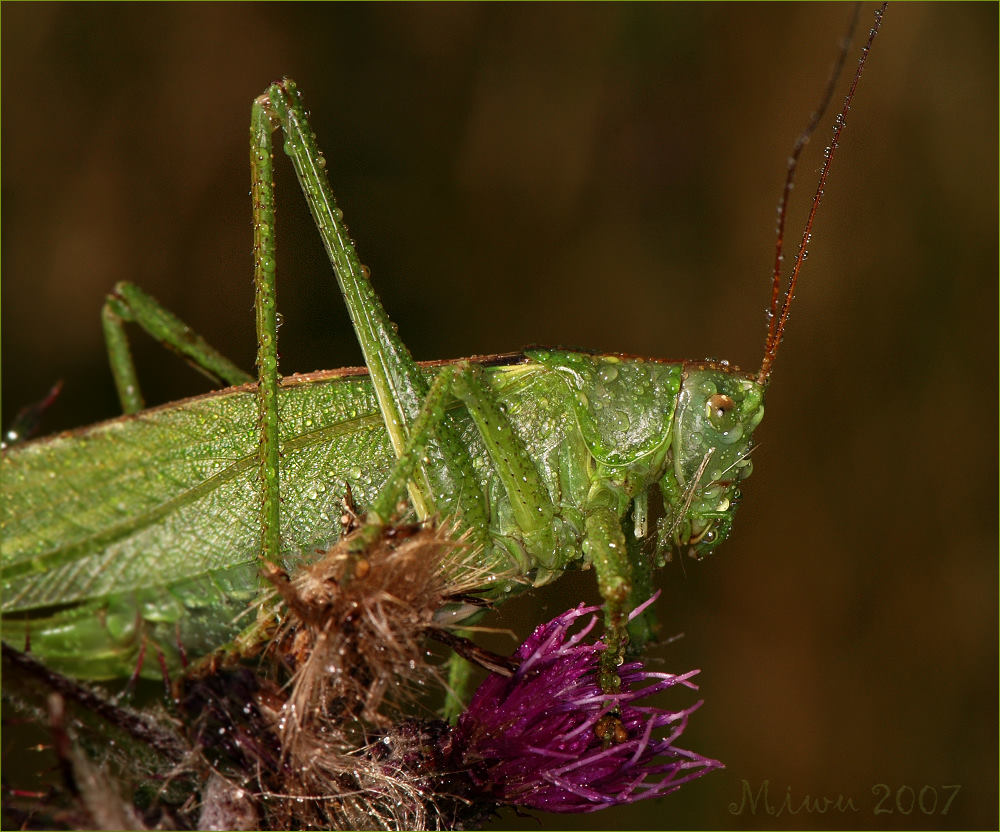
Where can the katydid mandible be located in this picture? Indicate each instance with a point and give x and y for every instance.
(150, 528)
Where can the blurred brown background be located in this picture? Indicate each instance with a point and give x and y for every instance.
(605, 176)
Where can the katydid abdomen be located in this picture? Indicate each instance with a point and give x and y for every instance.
(148, 526)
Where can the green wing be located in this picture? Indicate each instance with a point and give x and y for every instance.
(171, 493)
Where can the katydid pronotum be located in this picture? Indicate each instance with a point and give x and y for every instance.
(150, 528)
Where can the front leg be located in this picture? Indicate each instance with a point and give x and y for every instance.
(604, 546)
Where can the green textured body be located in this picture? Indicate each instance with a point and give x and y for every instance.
(150, 530)
(148, 526)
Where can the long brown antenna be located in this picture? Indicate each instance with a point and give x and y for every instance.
(777, 319)
(793, 161)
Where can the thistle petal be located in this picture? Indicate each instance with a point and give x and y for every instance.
(534, 739)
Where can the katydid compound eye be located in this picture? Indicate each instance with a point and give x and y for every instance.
(721, 410)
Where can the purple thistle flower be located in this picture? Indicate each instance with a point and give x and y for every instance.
(541, 738)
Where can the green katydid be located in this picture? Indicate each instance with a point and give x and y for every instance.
(150, 528)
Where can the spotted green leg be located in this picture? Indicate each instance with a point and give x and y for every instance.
(446, 485)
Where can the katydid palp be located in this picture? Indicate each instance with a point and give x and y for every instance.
(149, 527)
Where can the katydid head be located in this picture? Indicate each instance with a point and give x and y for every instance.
(717, 412)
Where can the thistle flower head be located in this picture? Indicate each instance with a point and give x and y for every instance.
(549, 737)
